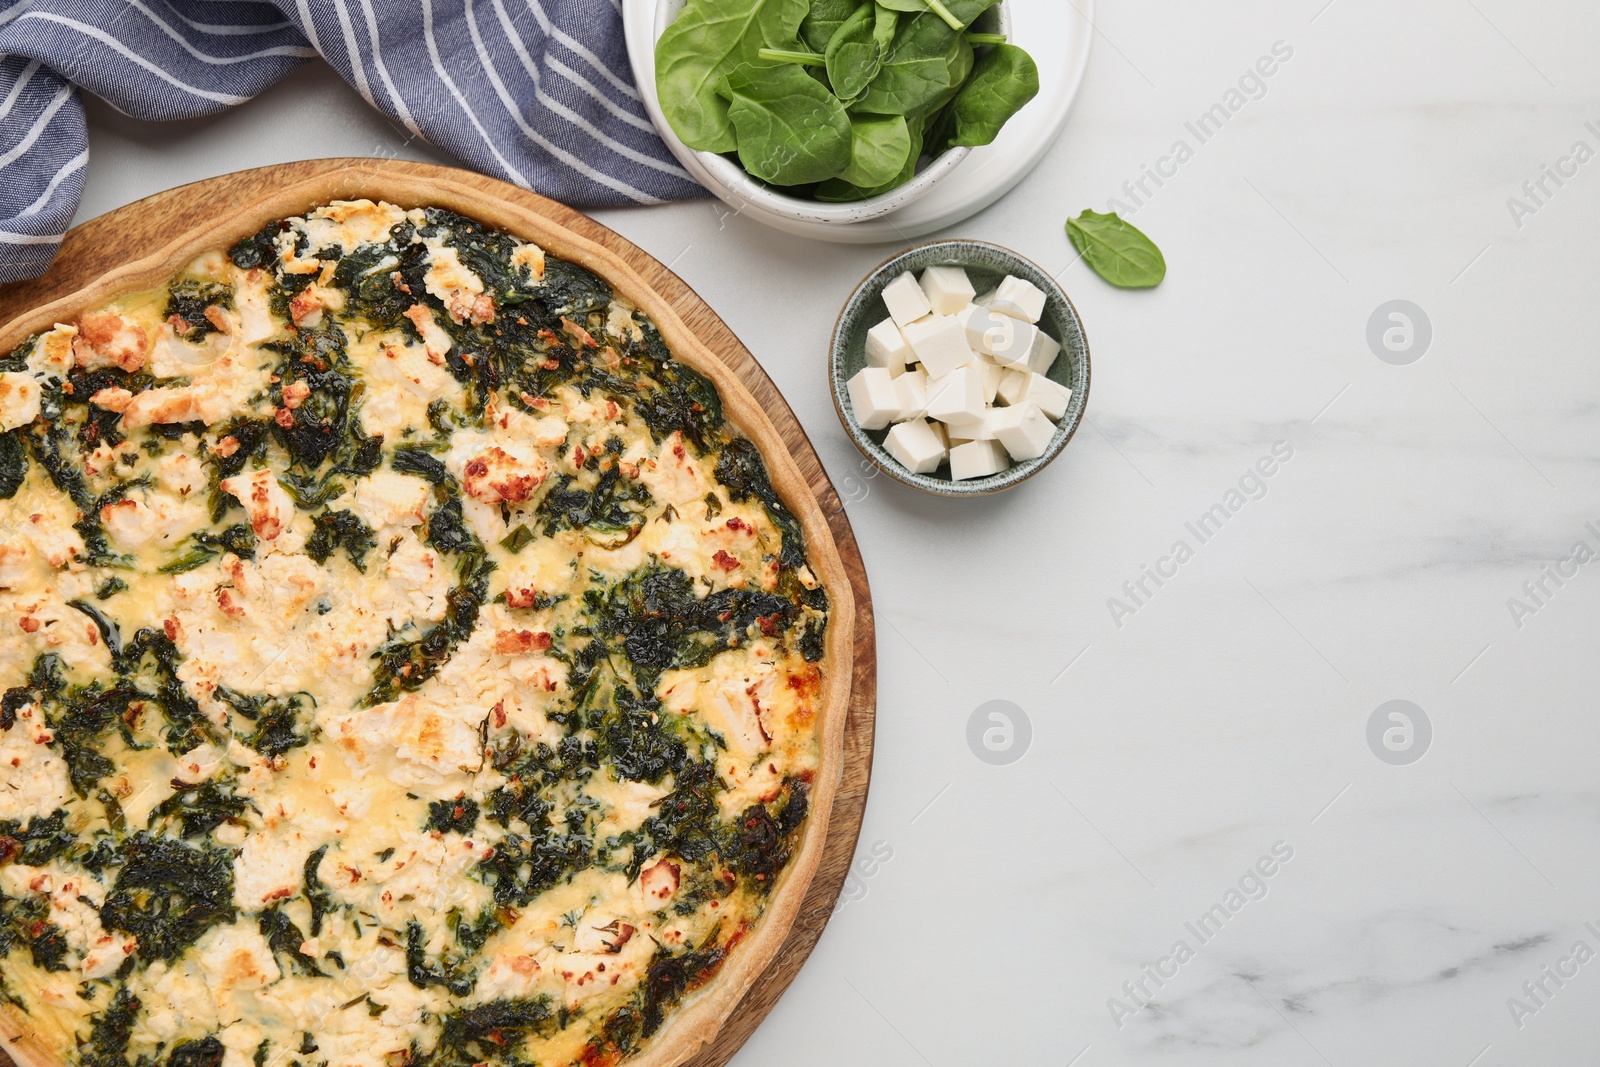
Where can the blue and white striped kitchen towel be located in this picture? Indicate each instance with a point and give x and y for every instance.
(537, 92)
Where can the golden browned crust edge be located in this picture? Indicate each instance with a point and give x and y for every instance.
(698, 1018)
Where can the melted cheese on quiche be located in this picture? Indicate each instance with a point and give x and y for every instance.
(402, 662)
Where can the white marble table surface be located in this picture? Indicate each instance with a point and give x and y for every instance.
(999, 910)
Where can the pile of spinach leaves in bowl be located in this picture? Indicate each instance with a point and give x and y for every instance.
(837, 99)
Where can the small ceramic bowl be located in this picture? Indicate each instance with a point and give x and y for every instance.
(986, 265)
(725, 178)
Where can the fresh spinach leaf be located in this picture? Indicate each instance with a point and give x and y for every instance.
(779, 22)
(733, 76)
(824, 17)
(962, 58)
(924, 62)
(1002, 82)
(1118, 252)
(855, 53)
(839, 191)
(791, 129)
(709, 38)
(885, 21)
(957, 14)
(878, 151)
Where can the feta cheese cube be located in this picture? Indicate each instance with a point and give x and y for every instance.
(1013, 388)
(967, 428)
(1009, 340)
(1018, 298)
(957, 395)
(939, 343)
(976, 320)
(1018, 386)
(989, 374)
(911, 394)
(1011, 348)
(872, 398)
(1043, 353)
(1023, 430)
(905, 300)
(947, 288)
(1050, 397)
(977, 459)
(917, 446)
(887, 348)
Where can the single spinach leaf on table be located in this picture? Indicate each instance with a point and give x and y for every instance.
(1002, 82)
(854, 53)
(708, 38)
(926, 62)
(791, 129)
(1117, 251)
(824, 17)
(879, 148)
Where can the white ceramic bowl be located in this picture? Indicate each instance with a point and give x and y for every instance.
(729, 182)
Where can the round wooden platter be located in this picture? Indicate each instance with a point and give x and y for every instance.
(122, 236)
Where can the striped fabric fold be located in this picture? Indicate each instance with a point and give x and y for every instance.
(536, 92)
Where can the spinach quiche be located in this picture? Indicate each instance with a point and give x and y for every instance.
(409, 660)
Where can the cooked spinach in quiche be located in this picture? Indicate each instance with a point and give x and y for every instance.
(405, 662)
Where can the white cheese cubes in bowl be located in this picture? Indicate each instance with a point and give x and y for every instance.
(960, 368)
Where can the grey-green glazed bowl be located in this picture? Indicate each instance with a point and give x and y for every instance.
(986, 264)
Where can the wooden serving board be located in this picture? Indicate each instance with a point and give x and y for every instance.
(119, 237)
